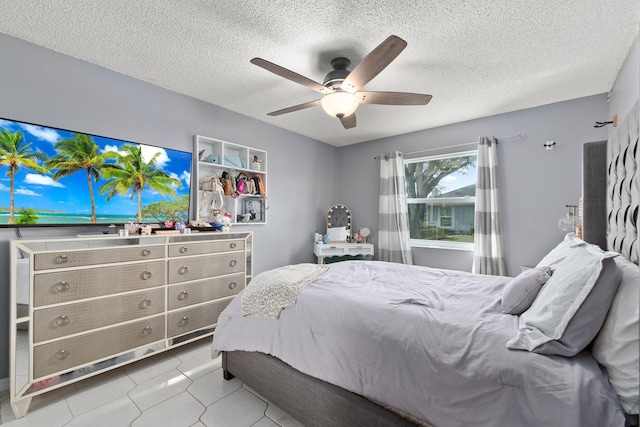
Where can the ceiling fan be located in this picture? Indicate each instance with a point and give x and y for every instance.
(341, 87)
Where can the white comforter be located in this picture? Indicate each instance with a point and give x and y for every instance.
(428, 342)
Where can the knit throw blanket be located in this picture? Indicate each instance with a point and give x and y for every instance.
(272, 291)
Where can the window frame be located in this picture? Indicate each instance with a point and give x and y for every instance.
(441, 244)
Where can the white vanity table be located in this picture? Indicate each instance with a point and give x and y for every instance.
(322, 250)
(340, 228)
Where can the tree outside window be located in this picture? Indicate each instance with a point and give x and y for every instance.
(441, 194)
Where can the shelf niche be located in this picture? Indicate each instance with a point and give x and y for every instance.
(213, 157)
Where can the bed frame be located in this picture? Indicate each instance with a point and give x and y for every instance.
(311, 401)
(317, 403)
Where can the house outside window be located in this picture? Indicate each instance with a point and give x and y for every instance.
(441, 197)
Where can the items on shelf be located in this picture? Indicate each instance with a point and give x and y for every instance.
(233, 176)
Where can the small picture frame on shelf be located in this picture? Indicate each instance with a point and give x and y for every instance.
(255, 208)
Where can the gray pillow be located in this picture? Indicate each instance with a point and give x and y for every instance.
(519, 294)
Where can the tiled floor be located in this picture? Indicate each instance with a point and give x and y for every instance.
(180, 388)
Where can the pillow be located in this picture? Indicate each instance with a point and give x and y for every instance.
(617, 346)
(337, 234)
(560, 252)
(571, 307)
(522, 290)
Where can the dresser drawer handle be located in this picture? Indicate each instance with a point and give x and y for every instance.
(183, 295)
(62, 259)
(62, 354)
(63, 320)
(147, 330)
(145, 303)
(183, 270)
(233, 263)
(146, 275)
(232, 245)
(184, 321)
(233, 285)
(184, 249)
(146, 252)
(63, 287)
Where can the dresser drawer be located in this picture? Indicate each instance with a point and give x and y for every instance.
(65, 286)
(69, 353)
(56, 322)
(200, 267)
(200, 248)
(184, 295)
(190, 319)
(75, 258)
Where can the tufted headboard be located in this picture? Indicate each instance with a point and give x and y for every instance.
(594, 193)
(623, 187)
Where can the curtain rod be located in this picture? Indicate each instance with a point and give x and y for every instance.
(516, 135)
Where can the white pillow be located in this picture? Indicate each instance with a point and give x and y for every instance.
(561, 251)
(617, 346)
(337, 234)
(560, 298)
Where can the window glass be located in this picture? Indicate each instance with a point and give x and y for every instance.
(441, 194)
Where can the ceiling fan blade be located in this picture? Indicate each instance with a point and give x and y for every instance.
(295, 108)
(393, 98)
(348, 121)
(290, 75)
(373, 63)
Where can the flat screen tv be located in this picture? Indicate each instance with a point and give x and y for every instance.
(57, 177)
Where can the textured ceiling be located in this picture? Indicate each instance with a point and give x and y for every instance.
(477, 58)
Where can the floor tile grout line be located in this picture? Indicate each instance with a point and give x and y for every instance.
(171, 397)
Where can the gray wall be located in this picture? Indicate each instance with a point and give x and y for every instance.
(536, 184)
(626, 90)
(41, 86)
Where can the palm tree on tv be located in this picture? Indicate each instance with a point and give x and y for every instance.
(133, 174)
(14, 154)
(77, 154)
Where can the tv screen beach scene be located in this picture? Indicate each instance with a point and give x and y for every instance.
(51, 176)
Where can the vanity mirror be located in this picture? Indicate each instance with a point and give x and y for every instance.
(339, 222)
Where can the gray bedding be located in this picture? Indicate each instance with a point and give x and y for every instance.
(428, 342)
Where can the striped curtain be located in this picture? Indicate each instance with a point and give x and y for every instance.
(489, 256)
(393, 228)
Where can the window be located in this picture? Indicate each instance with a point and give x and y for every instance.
(441, 198)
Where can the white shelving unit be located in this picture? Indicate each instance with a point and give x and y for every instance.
(214, 156)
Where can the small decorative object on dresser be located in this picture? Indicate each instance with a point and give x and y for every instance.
(362, 235)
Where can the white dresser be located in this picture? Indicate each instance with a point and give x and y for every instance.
(84, 305)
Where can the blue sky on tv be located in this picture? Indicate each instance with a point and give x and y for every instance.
(70, 194)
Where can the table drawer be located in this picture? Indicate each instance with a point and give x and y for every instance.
(75, 258)
(73, 352)
(59, 287)
(184, 295)
(190, 319)
(56, 322)
(201, 248)
(200, 267)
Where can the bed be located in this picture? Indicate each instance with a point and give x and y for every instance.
(379, 344)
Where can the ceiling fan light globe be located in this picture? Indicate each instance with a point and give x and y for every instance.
(340, 104)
